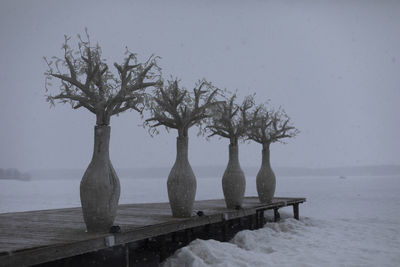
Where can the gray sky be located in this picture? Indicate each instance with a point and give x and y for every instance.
(334, 66)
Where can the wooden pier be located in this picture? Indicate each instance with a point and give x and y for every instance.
(147, 235)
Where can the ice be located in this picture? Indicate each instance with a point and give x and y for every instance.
(345, 222)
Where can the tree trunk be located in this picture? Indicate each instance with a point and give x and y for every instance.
(181, 182)
(102, 118)
(100, 188)
(265, 180)
(233, 180)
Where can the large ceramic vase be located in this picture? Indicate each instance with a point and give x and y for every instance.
(233, 180)
(181, 182)
(100, 188)
(265, 180)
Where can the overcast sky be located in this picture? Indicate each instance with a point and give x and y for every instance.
(334, 66)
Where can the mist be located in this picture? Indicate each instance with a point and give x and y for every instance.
(332, 65)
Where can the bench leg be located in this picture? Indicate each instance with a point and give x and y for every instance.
(296, 211)
(225, 231)
(277, 216)
(127, 255)
(260, 219)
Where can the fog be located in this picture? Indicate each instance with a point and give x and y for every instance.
(334, 66)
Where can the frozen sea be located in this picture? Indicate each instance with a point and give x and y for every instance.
(345, 222)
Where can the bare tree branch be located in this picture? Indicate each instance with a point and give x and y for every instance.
(269, 126)
(228, 122)
(175, 107)
(86, 80)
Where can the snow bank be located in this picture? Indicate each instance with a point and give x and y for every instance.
(310, 242)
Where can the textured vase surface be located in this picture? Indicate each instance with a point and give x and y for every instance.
(233, 180)
(181, 182)
(100, 187)
(266, 181)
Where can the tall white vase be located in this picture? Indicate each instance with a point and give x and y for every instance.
(181, 182)
(100, 187)
(233, 180)
(266, 181)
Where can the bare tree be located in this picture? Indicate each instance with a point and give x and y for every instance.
(174, 107)
(87, 81)
(268, 126)
(230, 120)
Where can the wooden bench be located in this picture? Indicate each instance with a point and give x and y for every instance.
(148, 233)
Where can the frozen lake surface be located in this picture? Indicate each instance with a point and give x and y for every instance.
(345, 222)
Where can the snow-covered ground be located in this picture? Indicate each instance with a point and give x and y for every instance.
(345, 222)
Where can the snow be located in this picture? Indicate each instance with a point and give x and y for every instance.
(345, 222)
(309, 242)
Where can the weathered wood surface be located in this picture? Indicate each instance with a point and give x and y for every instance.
(33, 237)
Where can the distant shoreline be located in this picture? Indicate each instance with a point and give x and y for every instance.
(14, 174)
(217, 171)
